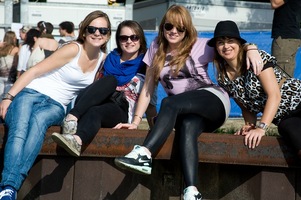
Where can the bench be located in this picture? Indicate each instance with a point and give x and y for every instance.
(227, 169)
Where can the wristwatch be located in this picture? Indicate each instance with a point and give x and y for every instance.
(262, 126)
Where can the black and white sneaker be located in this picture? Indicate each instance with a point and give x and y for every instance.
(137, 161)
(190, 193)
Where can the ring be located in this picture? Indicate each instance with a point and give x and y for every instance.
(259, 62)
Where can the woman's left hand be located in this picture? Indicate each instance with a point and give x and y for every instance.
(3, 107)
(254, 58)
(125, 126)
(253, 137)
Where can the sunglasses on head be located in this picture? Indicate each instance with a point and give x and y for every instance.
(169, 26)
(125, 38)
(102, 30)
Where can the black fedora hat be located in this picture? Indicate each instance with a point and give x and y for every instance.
(226, 29)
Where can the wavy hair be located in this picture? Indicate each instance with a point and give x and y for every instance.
(88, 19)
(179, 16)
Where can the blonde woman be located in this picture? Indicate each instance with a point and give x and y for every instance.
(8, 62)
(179, 60)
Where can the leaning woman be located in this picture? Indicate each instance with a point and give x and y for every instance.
(272, 93)
(39, 98)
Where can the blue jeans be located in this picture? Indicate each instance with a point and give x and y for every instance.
(27, 119)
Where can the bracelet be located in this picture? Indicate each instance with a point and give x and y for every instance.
(8, 96)
(138, 117)
(248, 44)
(135, 124)
(251, 49)
(250, 124)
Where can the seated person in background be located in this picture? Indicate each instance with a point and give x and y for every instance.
(25, 50)
(111, 99)
(46, 29)
(8, 62)
(43, 47)
(22, 34)
(66, 29)
(273, 93)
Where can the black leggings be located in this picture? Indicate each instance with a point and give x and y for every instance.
(190, 113)
(94, 109)
(290, 129)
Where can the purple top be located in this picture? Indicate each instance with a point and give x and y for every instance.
(193, 75)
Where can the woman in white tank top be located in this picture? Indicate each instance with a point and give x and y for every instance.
(39, 97)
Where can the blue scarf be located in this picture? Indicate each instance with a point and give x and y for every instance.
(125, 71)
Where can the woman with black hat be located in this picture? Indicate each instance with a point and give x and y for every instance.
(272, 92)
(179, 60)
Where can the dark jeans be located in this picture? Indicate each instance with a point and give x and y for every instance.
(94, 109)
(289, 127)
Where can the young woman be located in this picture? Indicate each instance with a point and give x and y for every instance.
(179, 60)
(112, 98)
(38, 99)
(272, 93)
(8, 62)
(26, 49)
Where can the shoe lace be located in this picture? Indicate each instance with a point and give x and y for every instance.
(133, 154)
(6, 193)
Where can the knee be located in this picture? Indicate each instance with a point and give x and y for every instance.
(167, 103)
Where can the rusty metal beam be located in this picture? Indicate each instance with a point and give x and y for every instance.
(213, 148)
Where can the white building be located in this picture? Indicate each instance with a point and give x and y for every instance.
(248, 15)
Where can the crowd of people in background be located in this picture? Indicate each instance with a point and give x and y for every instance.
(34, 45)
(115, 89)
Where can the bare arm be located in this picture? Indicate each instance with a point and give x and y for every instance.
(55, 61)
(271, 88)
(276, 3)
(143, 101)
(253, 57)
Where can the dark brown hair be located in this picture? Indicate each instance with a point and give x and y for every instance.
(135, 26)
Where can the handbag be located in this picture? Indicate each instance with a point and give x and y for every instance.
(118, 97)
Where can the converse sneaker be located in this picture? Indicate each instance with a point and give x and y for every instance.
(8, 193)
(190, 193)
(137, 161)
(69, 127)
(68, 142)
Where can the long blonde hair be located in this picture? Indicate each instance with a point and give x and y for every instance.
(10, 41)
(179, 16)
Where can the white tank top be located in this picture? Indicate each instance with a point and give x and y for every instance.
(63, 84)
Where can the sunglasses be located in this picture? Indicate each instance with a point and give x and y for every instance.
(102, 30)
(169, 26)
(125, 38)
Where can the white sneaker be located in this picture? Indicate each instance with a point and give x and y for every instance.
(190, 193)
(137, 161)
